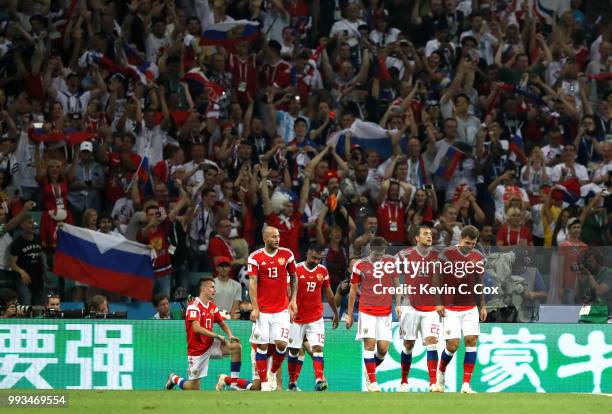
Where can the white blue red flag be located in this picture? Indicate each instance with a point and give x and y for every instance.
(107, 262)
(367, 135)
(227, 34)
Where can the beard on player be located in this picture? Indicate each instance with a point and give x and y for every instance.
(271, 238)
(469, 238)
(424, 238)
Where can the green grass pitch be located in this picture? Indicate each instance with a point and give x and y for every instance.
(177, 402)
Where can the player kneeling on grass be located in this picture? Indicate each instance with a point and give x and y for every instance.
(308, 322)
(270, 269)
(419, 314)
(460, 312)
(203, 343)
(374, 324)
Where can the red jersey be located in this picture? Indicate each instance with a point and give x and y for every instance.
(272, 272)
(372, 300)
(207, 315)
(289, 229)
(510, 237)
(244, 75)
(468, 270)
(310, 287)
(421, 271)
(277, 75)
(391, 216)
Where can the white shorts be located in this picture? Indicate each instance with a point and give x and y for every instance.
(215, 350)
(271, 327)
(413, 321)
(198, 365)
(374, 327)
(314, 332)
(457, 322)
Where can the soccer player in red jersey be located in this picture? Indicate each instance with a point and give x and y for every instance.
(271, 271)
(419, 313)
(203, 343)
(374, 324)
(313, 279)
(460, 312)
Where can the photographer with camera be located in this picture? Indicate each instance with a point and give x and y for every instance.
(593, 283)
(97, 305)
(9, 305)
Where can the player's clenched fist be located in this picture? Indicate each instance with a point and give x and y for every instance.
(348, 321)
(254, 315)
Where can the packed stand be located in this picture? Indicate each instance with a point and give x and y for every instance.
(132, 119)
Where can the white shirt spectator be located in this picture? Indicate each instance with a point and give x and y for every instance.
(227, 292)
(155, 46)
(486, 45)
(383, 39)
(150, 143)
(557, 172)
(433, 45)
(74, 102)
(550, 153)
(351, 28)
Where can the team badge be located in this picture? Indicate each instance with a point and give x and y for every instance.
(256, 336)
(320, 276)
(282, 261)
(290, 340)
(365, 330)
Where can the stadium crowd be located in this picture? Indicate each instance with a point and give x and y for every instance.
(495, 116)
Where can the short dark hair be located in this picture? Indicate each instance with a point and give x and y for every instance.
(300, 119)
(461, 95)
(422, 227)
(204, 280)
(315, 247)
(378, 242)
(158, 298)
(152, 207)
(7, 295)
(470, 232)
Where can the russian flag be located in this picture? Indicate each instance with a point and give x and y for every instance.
(571, 190)
(133, 56)
(367, 135)
(517, 147)
(104, 261)
(145, 178)
(227, 34)
(144, 73)
(446, 162)
(101, 60)
(544, 10)
(197, 78)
